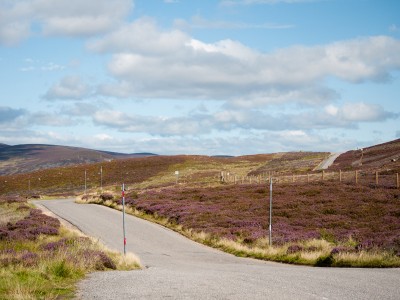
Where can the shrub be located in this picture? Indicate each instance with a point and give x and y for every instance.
(294, 248)
(29, 259)
(106, 196)
(324, 261)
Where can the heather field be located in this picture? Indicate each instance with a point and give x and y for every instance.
(349, 221)
(335, 218)
(371, 217)
(40, 259)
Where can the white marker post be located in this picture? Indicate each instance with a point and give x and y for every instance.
(270, 212)
(177, 176)
(101, 179)
(123, 215)
(85, 182)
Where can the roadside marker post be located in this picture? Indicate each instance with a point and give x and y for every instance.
(270, 212)
(123, 215)
(101, 179)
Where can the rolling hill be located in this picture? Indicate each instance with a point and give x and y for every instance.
(27, 158)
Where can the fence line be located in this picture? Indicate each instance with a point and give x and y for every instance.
(375, 178)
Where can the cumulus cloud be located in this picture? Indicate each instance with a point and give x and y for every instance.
(48, 119)
(141, 37)
(346, 116)
(149, 62)
(152, 125)
(363, 112)
(62, 17)
(70, 87)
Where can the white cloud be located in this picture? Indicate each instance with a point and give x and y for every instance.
(70, 87)
(363, 112)
(48, 119)
(151, 63)
(152, 125)
(33, 65)
(103, 137)
(61, 17)
(331, 110)
(141, 37)
(228, 120)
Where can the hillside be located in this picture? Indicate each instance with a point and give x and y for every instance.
(28, 158)
(45, 169)
(383, 157)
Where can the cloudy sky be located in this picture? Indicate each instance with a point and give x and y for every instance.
(200, 77)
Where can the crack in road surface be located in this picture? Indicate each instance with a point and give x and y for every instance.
(178, 268)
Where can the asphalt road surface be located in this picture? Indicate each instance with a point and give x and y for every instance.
(177, 268)
(328, 162)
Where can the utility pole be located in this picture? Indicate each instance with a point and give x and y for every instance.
(85, 182)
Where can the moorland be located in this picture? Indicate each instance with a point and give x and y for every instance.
(223, 202)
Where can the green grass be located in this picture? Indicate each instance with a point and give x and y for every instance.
(50, 266)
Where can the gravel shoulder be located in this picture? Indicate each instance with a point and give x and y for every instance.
(177, 268)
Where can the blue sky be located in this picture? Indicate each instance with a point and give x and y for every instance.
(200, 77)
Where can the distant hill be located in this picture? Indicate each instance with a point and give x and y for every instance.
(384, 156)
(28, 158)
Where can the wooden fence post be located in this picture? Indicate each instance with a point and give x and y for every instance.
(340, 175)
(292, 177)
(356, 172)
(323, 175)
(376, 178)
(397, 180)
(308, 178)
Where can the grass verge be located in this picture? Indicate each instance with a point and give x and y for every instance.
(313, 252)
(40, 259)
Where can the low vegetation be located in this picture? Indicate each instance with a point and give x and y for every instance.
(324, 224)
(40, 259)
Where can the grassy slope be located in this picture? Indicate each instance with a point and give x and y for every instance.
(41, 260)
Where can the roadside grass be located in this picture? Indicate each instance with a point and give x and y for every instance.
(312, 252)
(40, 259)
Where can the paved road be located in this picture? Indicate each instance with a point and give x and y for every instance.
(328, 162)
(177, 268)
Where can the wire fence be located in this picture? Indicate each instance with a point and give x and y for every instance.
(370, 178)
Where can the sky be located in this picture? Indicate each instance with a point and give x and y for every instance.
(223, 77)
